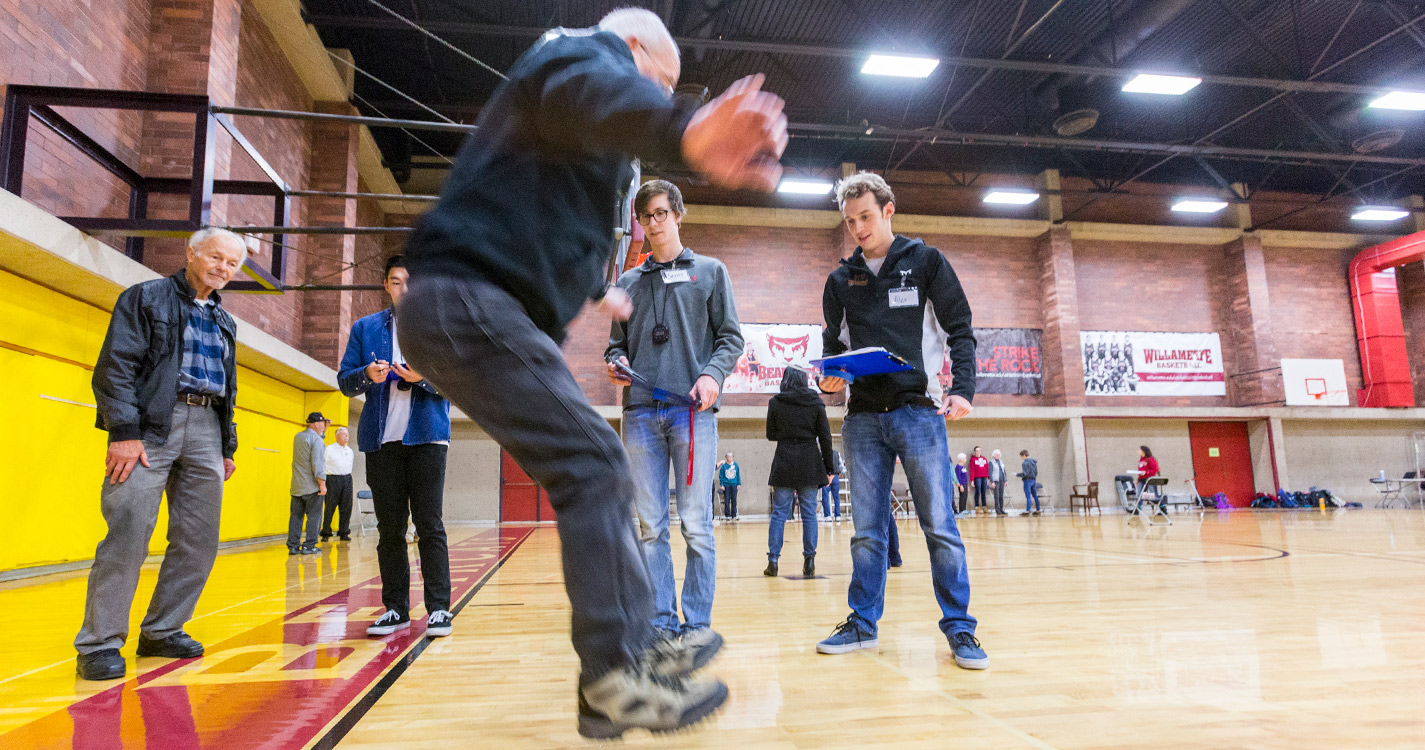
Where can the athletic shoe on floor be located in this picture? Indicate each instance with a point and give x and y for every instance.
(439, 624)
(968, 654)
(633, 697)
(849, 636)
(685, 654)
(177, 646)
(293, 551)
(389, 623)
(771, 570)
(310, 551)
(344, 537)
(809, 566)
(104, 664)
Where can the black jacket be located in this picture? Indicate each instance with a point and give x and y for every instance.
(858, 314)
(136, 377)
(532, 201)
(796, 420)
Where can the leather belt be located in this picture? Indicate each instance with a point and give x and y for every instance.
(197, 399)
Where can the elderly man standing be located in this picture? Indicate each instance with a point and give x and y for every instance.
(164, 385)
(339, 461)
(309, 484)
(517, 244)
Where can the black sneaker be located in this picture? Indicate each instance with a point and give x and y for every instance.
(293, 551)
(310, 551)
(177, 646)
(633, 697)
(771, 570)
(326, 537)
(345, 537)
(439, 624)
(389, 623)
(809, 566)
(104, 664)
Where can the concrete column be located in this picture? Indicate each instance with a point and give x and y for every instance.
(1277, 447)
(1062, 355)
(1253, 364)
(1051, 203)
(1074, 461)
(327, 316)
(1240, 213)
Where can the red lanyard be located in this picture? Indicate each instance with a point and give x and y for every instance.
(692, 412)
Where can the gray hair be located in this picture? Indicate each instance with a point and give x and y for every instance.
(641, 23)
(202, 236)
(960, 457)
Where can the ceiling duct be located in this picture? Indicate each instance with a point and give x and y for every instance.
(1078, 116)
(1379, 140)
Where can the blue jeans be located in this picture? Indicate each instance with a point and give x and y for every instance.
(1030, 494)
(657, 436)
(872, 442)
(782, 512)
(831, 498)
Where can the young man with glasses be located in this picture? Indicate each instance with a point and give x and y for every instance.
(682, 336)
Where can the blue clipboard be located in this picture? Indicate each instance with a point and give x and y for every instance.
(659, 394)
(860, 363)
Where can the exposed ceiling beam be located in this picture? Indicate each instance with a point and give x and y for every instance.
(325, 22)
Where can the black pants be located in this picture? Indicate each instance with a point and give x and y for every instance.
(338, 498)
(893, 544)
(964, 492)
(477, 344)
(729, 500)
(998, 488)
(408, 482)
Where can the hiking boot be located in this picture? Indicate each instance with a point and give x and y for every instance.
(968, 653)
(771, 570)
(809, 566)
(685, 654)
(633, 697)
(104, 664)
(177, 646)
(849, 636)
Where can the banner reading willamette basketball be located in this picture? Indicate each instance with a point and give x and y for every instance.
(768, 350)
(1006, 361)
(1144, 363)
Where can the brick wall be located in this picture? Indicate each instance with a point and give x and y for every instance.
(1311, 308)
(83, 44)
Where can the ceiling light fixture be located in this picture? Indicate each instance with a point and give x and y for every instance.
(1199, 205)
(1407, 100)
(903, 67)
(1011, 197)
(1153, 83)
(804, 187)
(1379, 213)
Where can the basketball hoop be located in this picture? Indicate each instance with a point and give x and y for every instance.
(1316, 388)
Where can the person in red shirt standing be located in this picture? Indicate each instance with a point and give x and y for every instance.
(980, 477)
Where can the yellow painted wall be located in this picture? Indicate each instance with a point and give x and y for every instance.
(52, 456)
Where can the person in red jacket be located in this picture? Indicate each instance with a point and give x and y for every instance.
(1147, 468)
(980, 477)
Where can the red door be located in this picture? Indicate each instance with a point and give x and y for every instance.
(1222, 460)
(521, 500)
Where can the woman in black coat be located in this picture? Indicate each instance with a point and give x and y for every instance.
(796, 420)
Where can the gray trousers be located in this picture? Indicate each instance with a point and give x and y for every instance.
(477, 344)
(308, 508)
(189, 466)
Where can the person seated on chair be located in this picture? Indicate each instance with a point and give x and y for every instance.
(1147, 469)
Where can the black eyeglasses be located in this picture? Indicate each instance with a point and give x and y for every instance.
(659, 216)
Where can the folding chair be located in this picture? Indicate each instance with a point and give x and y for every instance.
(364, 513)
(1151, 496)
(900, 500)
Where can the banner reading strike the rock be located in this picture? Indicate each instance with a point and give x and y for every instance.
(1007, 360)
(766, 353)
(1143, 363)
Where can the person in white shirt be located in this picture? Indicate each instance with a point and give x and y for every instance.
(339, 460)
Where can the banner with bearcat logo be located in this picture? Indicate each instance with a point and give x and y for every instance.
(767, 351)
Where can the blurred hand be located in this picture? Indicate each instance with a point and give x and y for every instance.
(705, 391)
(122, 457)
(377, 371)
(228, 468)
(321, 487)
(616, 378)
(407, 374)
(831, 385)
(737, 138)
(955, 407)
(617, 303)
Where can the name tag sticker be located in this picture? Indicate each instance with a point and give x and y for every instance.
(675, 275)
(907, 297)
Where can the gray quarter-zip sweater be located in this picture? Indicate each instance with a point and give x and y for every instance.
(309, 462)
(704, 335)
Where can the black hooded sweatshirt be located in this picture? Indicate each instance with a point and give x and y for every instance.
(796, 420)
(864, 309)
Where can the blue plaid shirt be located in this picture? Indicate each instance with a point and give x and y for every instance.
(203, 348)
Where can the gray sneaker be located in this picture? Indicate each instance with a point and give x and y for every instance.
(633, 697)
(684, 655)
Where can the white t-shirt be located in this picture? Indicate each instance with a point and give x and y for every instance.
(875, 265)
(398, 402)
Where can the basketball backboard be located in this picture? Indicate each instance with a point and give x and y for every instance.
(1315, 382)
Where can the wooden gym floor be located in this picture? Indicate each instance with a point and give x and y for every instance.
(1248, 629)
